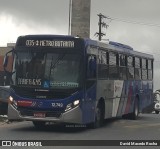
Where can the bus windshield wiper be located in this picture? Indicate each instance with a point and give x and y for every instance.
(60, 57)
(53, 65)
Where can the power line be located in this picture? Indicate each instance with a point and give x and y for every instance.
(133, 22)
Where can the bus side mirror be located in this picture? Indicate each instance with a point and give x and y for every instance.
(5, 61)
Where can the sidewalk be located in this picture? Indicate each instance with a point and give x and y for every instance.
(3, 119)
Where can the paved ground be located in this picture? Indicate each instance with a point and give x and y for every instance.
(147, 127)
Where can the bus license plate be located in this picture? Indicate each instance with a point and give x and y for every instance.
(40, 115)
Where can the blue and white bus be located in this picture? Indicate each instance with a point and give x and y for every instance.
(65, 79)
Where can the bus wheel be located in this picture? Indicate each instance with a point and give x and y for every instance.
(135, 113)
(98, 118)
(38, 124)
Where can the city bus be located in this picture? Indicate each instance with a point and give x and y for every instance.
(65, 79)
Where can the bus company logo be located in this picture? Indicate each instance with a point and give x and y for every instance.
(36, 104)
(41, 97)
(6, 143)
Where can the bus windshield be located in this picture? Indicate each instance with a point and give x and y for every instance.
(48, 70)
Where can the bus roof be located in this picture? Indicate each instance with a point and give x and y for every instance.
(111, 46)
(118, 47)
(46, 36)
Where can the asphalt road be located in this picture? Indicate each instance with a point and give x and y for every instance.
(147, 127)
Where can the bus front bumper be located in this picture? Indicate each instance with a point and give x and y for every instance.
(72, 116)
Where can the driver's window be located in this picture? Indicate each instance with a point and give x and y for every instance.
(91, 66)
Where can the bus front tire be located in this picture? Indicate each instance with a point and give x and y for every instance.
(98, 118)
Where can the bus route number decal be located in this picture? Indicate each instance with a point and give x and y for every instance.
(56, 105)
(50, 43)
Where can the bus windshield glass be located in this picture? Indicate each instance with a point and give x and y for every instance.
(48, 70)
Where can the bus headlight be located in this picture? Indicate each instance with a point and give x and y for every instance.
(68, 107)
(76, 102)
(10, 99)
(72, 105)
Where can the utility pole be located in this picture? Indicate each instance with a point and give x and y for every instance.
(101, 25)
(69, 25)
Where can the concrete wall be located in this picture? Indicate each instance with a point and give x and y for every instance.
(80, 20)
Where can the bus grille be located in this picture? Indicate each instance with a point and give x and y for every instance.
(28, 112)
(47, 95)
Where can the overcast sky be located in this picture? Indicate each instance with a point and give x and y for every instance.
(19, 17)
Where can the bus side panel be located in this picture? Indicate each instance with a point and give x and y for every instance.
(105, 90)
(143, 90)
(118, 87)
(128, 95)
(120, 96)
(88, 105)
(147, 96)
(123, 99)
(111, 92)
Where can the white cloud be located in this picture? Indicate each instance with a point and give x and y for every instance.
(9, 30)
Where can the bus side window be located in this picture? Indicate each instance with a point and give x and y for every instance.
(91, 66)
(137, 65)
(122, 67)
(113, 65)
(150, 70)
(144, 69)
(130, 67)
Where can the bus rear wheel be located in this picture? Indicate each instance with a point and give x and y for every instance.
(135, 113)
(38, 124)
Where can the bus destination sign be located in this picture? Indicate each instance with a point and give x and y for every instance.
(50, 43)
